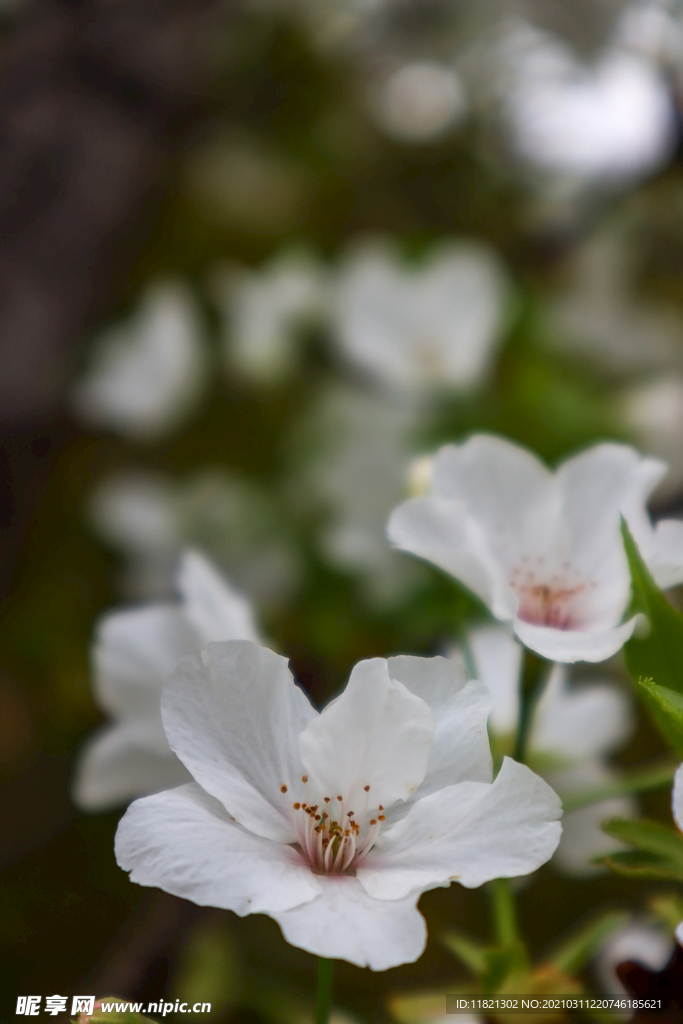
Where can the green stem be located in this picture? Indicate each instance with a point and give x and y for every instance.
(638, 781)
(531, 678)
(324, 999)
(504, 912)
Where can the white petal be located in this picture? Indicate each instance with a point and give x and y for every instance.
(597, 485)
(235, 721)
(213, 607)
(184, 842)
(442, 532)
(497, 659)
(376, 733)
(570, 645)
(344, 923)
(579, 721)
(134, 653)
(471, 833)
(666, 561)
(461, 750)
(123, 762)
(679, 934)
(677, 798)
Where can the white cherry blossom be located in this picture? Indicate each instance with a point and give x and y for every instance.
(146, 373)
(134, 653)
(151, 518)
(263, 310)
(420, 330)
(543, 549)
(573, 729)
(334, 823)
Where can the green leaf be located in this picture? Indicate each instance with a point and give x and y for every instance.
(501, 962)
(659, 655)
(666, 707)
(658, 853)
(642, 865)
(649, 836)
(649, 776)
(571, 955)
(471, 953)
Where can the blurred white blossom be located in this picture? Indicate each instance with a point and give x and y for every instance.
(335, 823)
(356, 468)
(543, 549)
(418, 330)
(647, 943)
(134, 653)
(677, 811)
(653, 413)
(597, 316)
(150, 518)
(147, 373)
(264, 311)
(608, 122)
(573, 730)
(419, 102)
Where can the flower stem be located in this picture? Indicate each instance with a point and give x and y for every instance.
(504, 912)
(324, 999)
(533, 667)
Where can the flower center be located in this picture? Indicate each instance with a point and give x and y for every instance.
(547, 597)
(332, 836)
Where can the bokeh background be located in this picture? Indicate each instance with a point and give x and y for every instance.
(184, 153)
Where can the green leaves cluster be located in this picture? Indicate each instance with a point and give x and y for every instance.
(654, 657)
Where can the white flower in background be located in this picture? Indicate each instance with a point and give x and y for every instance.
(264, 311)
(421, 330)
(334, 823)
(151, 518)
(543, 549)
(600, 317)
(572, 731)
(677, 811)
(358, 451)
(147, 373)
(420, 102)
(610, 122)
(646, 943)
(653, 412)
(134, 653)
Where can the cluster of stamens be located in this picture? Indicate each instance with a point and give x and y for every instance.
(547, 598)
(334, 840)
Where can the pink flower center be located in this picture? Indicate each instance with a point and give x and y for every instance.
(550, 597)
(334, 838)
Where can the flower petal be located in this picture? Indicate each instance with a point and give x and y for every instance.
(461, 750)
(442, 532)
(214, 608)
(471, 833)
(578, 722)
(135, 651)
(666, 559)
(234, 720)
(497, 658)
(570, 645)
(184, 842)
(677, 798)
(344, 923)
(124, 762)
(376, 733)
